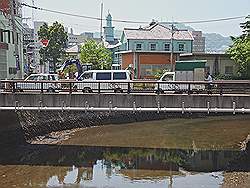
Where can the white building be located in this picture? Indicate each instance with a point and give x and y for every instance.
(11, 62)
(198, 42)
(74, 39)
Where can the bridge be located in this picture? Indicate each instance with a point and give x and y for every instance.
(29, 109)
(175, 96)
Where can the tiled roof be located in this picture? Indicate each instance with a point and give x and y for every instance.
(157, 31)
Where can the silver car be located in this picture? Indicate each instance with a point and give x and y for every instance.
(39, 82)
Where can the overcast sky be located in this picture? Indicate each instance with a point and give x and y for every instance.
(145, 10)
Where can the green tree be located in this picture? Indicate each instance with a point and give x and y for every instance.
(240, 50)
(57, 42)
(96, 54)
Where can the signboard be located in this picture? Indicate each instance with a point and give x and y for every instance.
(5, 6)
(45, 42)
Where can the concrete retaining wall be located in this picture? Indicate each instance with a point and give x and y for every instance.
(124, 100)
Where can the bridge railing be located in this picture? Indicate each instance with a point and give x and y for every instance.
(137, 86)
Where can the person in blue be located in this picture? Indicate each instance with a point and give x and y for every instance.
(209, 78)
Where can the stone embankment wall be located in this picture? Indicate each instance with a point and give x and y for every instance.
(41, 123)
(19, 126)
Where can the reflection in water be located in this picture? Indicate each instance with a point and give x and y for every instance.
(58, 165)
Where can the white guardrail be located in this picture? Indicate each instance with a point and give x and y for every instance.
(133, 109)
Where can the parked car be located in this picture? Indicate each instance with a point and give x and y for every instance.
(38, 82)
(103, 80)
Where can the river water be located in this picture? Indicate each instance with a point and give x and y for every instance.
(169, 153)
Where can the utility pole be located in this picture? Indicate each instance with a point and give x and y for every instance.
(33, 4)
(101, 21)
(172, 47)
(13, 13)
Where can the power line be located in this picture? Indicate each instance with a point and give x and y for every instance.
(214, 20)
(79, 16)
(128, 21)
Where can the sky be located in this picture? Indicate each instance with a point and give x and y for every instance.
(145, 11)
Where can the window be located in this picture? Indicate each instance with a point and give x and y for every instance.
(9, 37)
(229, 70)
(138, 47)
(207, 69)
(43, 78)
(87, 75)
(13, 41)
(152, 47)
(181, 47)
(12, 70)
(103, 76)
(32, 78)
(17, 38)
(166, 47)
(1, 35)
(52, 77)
(120, 76)
(168, 77)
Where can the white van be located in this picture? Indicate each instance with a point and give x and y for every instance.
(103, 80)
(169, 77)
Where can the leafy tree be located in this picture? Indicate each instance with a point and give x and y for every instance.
(57, 42)
(240, 50)
(96, 54)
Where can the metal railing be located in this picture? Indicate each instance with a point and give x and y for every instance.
(138, 86)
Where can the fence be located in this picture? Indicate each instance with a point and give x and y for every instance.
(138, 86)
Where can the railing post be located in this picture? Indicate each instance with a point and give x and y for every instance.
(63, 105)
(189, 89)
(234, 107)
(221, 89)
(183, 107)
(86, 106)
(41, 87)
(158, 107)
(129, 87)
(40, 106)
(208, 107)
(16, 105)
(70, 87)
(99, 87)
(134, 107)
(13, 87)
(158, 88)
(110, 106)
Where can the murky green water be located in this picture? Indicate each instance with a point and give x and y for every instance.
(72, 163)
